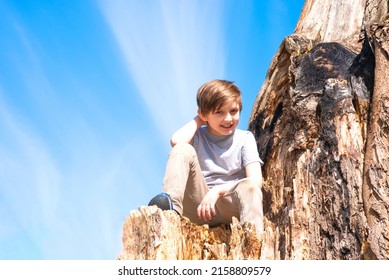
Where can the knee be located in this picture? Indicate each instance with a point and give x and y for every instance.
(251, 187)
(252, 184)
(184, 150)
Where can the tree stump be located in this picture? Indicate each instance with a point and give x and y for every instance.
(152, 234)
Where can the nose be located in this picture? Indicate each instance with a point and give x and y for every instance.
(228, 117)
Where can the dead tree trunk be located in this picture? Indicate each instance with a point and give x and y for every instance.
(321, 121)
(376, 171)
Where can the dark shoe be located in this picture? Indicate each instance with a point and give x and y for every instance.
(163, 201)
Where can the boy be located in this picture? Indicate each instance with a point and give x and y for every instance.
(214, 171)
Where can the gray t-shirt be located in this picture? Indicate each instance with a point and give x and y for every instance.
(223, 158)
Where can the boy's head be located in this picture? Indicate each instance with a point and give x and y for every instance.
(214, 94)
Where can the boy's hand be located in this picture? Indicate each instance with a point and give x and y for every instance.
(185, 134)
(206, 209)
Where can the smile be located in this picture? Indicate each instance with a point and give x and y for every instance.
(227, 126)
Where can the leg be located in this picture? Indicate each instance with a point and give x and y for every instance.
(243, 200)
(184, 181)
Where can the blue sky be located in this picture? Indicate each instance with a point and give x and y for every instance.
(90, 92)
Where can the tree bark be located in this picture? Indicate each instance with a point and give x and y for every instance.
(376, 171)
(321, 124)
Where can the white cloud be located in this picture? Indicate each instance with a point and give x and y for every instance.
(66, 211)
(170, 49)
(29, 179)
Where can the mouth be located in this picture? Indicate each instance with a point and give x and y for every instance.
(227, 126)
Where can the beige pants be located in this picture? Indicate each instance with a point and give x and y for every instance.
(186, 185)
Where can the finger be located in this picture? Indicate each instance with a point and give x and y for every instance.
(209, 213)
(206, 214)
(213, 211)
(202, 213)
(199, 211)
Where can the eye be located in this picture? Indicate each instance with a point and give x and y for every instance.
(234, 111)
(219, 112)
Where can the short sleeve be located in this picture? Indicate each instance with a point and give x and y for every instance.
(250, 150)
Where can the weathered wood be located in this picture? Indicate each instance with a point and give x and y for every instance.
(314, 159)
(332, 21)
(325, 96)
(376, 171)
(152, 234)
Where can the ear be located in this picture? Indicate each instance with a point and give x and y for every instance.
(202, 117)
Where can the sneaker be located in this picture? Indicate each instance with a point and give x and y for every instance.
(163, 201)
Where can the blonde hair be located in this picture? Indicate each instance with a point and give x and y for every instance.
(214, 94)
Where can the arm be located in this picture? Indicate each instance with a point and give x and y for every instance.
(185, 134)
(254, 171)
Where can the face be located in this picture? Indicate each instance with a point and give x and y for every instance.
(223, 121)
